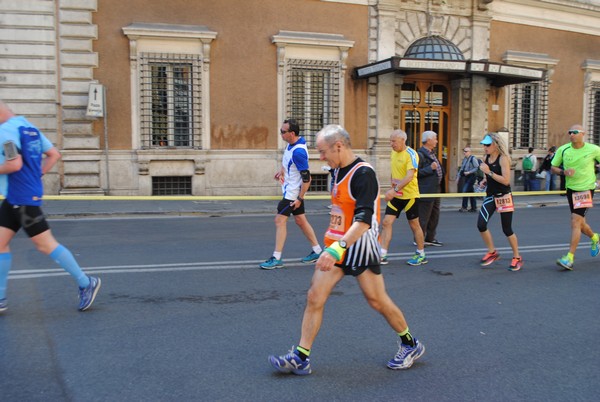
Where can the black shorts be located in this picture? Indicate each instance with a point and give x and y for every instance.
(355, 271)
(30, 218)
(283, 208)
(577, 211)
(410, 206)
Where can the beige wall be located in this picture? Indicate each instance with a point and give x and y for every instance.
(567, 83)
(243, 68)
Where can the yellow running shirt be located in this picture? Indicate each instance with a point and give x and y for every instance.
(401, 163)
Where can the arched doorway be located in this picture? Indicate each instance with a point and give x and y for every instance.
(425, 105)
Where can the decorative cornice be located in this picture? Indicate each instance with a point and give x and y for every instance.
(141, 29)
(284, 38)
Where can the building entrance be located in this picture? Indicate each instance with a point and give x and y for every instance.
(425, 105)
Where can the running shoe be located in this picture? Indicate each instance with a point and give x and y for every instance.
(595, 249)
(434, 243)
(3, 305)
(406, 355)
(272, 263)
(384, 260)
(462, 210)
(565, 262)
(516, 264)
(418, 259)
(489, 258)
(312, 257)
(291, 363)
(88, 295)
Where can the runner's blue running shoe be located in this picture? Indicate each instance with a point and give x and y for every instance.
(87, 295)
(3, 305)
(418, 259)
(565, 262)
(595, 249)
(291, 363)
(312, 257)
(384, 260)
(406, 355)
(272, 263)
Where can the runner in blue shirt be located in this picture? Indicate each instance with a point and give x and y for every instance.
(24, 164)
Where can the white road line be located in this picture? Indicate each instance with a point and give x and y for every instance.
(253, 264)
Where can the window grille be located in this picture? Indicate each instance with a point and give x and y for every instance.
(170, 93)
(529, 115)
(594, 114)
(319, 182)
(312, 92)
(171, 185)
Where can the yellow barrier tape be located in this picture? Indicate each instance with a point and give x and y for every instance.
(254, 197)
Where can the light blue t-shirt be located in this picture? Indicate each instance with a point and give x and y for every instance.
(9, 131)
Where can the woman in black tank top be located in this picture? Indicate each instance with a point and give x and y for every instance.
(496, 168)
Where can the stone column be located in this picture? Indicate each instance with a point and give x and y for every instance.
(76, 61)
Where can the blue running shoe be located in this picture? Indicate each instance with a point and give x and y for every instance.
(291, 363)
(384, 260)
(595, 249)
(418, 259)
(3, 305)
(565, 262)
(406, 355)
(88, 295)
(312, 257)
(272, 263)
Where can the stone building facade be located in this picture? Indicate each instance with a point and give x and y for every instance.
(195, 91)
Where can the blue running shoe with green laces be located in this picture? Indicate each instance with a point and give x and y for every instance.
(418, 259)
(312, 257)
(595, 249)
(291, 363)
(384, 260)
(565, 262)
(406, 355)
(272, 263)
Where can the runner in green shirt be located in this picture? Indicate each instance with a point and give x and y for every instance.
(578, 159)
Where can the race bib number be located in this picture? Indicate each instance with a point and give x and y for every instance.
(504, 203)
(582, 199)
(336, 224)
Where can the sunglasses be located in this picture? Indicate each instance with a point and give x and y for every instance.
(486, 145)
(575, 131)
(284, 131)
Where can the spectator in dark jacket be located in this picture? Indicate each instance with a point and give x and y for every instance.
(430, 175)
(546, 169)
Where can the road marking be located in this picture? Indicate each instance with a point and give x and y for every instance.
(253, 264)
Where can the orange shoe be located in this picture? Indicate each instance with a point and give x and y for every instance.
(489, 258)
(516, 264)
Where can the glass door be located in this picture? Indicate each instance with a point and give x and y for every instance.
(425, 105)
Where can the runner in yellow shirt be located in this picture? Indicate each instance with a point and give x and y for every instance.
(404, 195)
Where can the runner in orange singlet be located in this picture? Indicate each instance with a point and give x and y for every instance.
(352, 249)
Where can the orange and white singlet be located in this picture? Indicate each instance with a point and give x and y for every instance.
(365, 251)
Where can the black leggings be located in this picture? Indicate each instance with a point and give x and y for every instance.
(487, 210)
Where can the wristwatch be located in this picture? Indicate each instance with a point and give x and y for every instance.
(343, 244)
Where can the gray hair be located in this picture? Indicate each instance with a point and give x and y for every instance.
(333, 133)
(427, 135)
(399, 133)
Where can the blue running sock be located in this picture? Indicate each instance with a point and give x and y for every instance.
(5, 262)
(65, 259)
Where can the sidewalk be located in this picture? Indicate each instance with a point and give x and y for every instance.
(115, 208)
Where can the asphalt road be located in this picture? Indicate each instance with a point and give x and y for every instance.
(185, 314)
